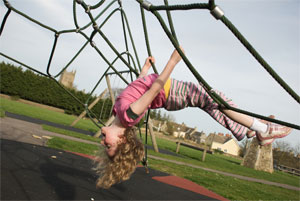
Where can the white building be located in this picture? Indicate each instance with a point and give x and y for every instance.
(225, 144)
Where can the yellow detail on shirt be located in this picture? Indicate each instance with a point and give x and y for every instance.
(167, 87)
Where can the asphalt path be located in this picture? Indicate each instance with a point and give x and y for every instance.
(70, 128)
(39, 121)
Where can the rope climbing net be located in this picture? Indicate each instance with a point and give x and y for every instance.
(131, 60)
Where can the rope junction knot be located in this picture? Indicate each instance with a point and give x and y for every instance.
(79, 1)
(93, 44)
(7, 4)
(217, 12)
(146, 4)
(96, 27)
(88, 9)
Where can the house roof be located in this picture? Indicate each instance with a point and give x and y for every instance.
(222, 139)
(200, 134)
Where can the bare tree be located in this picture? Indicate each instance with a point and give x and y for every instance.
(282, 152)
(282, 146)
(171, 117)
(296, 149)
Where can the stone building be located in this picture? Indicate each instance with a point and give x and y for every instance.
(259, 157)
(193, 135)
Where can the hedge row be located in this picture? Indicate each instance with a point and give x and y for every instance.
(14, 81)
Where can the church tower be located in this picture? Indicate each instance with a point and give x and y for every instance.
(67, 78)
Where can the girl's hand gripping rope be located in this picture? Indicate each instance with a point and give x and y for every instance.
(138, 107)
(175, 57)
(148, 63)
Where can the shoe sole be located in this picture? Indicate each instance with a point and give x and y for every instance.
(266, 142)
(275, 135)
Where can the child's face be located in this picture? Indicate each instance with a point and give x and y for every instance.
(112, 137)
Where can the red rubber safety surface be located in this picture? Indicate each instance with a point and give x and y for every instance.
(188, 185)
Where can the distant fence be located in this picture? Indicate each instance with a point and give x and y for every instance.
(289, 170)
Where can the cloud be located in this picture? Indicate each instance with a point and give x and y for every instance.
(54, 13)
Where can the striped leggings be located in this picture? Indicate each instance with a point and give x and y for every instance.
(188, 94)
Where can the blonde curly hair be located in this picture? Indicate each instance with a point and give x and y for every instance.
(112, 170)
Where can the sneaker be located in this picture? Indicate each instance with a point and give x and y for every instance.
(274, 131)
(252, 133)
(265, 142)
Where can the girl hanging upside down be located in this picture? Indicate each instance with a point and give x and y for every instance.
(123, 151)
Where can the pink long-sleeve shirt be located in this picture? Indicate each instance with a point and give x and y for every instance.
(132, 93)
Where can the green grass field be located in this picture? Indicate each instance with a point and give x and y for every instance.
(70, 133)
(223, 163)
(44, 114)
(69, 145)
(231, 188)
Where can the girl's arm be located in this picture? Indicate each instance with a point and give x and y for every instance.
(148, 63)
(139, 106)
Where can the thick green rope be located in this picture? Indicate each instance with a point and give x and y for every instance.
(259, 58)
(208, 88)
(147, 38)
(170, 21)
(79, 30)
(134, 70)
(180, 7)
(170, 33)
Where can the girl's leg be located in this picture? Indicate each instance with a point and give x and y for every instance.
(243, 119)
(187, 94)
(265, 131)
(248, 121)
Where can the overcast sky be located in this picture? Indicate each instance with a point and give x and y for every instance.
(272, 27)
